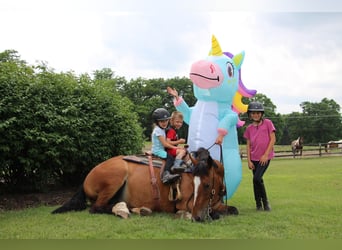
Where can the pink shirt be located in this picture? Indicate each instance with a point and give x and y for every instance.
(259, 137)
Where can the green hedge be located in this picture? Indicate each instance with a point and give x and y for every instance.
(55, 127)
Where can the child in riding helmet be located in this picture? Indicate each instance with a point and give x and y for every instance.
(176, 122)
(260, 136)
(161, 119)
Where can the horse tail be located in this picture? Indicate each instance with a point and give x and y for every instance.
(77, 203)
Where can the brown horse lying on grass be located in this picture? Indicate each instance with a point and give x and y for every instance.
(117, 180)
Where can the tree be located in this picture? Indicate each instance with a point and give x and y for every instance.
(149, 94)
(294, 127)
(318, 122)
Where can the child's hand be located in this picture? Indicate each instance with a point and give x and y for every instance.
(181, 141)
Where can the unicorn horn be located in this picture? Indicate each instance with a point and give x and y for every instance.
(215, 47)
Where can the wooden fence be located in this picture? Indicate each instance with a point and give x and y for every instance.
(312, 150)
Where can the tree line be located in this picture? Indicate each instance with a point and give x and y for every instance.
(54, 127)
(318, 122)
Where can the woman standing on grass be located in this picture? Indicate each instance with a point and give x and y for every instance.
(260, 136)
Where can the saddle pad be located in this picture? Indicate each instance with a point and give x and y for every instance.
(142, 159)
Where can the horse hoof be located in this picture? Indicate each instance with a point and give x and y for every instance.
(232, 211)
(182, 214)
(215, 216)
(143, 211)
(121, 210)
(122, 214)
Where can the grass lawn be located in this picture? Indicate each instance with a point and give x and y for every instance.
(305, 195)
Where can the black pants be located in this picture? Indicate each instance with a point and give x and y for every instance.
(169, 162)
(258, 183)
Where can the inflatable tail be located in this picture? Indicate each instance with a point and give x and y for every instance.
(77, 203)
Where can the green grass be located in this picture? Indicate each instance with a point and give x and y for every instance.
(305, 195)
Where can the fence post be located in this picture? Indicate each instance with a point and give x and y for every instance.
(320, 150)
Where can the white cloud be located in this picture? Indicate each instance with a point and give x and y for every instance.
(64, 40)
(290, 57)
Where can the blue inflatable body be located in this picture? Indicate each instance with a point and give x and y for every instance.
(218, 89)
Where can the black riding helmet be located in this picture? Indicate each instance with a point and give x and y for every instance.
(160, 114)
(255, 107)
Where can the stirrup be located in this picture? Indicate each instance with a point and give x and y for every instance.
(171, 193)
(179, 194)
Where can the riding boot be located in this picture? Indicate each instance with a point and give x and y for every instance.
(257, 197)
(167, 177)
(264, 200)
(178, 166)
(169, 162)
(267, 206)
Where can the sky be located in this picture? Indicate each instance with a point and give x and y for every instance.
(293, 48)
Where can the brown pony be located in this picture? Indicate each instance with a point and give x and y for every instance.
(118, 180)
(333, 145)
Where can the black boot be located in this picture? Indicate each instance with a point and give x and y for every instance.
(178, 166)
(166, 173)
(168, 177)
(265, 203)
(258, 205)
(267, 206)
(257, 197)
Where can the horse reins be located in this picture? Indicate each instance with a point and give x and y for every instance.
(209, 209)
(221, 161)
(221, 154)
(212, 193)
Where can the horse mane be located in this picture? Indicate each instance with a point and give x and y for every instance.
(238, 106)
(205, 162)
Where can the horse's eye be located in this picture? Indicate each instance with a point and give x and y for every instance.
(206, 186)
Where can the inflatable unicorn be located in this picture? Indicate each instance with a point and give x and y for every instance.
(218, 89)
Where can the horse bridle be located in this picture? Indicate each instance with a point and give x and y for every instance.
(221, 161)
(213, 192)
(211, 197)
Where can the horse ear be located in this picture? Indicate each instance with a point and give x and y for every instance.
(193, 160)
